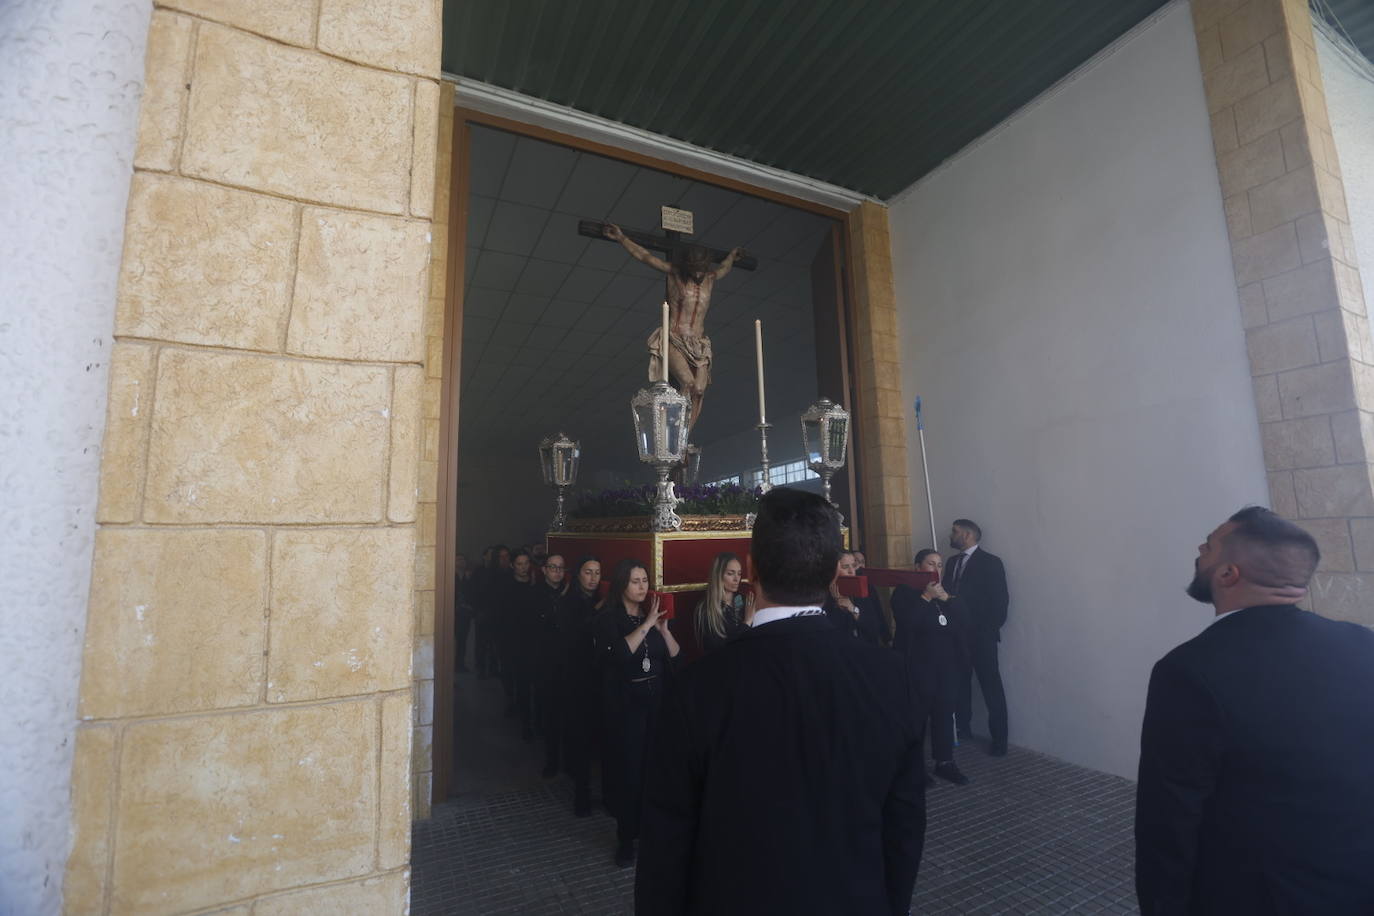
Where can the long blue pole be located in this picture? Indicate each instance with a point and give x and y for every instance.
(925, 469)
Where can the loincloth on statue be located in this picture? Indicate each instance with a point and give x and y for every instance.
(696, 350)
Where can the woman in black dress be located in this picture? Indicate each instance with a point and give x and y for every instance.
(517, 634)
(581, 683)
(860, 617)
(722, 614)
(931, 636)
(636, 650)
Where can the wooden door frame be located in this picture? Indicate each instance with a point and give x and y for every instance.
(446, 533)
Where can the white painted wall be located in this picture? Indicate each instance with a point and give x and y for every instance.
(70, 77)
(1068, 314)
(1350, 105)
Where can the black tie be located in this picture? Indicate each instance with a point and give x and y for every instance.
(957, 572)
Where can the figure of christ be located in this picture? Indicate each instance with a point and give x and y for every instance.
(690, 280)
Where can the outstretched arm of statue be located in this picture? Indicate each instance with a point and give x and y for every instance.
(728, 263)
(638, 252)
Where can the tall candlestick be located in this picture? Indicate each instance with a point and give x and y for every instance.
(663, 344)
(758, 358)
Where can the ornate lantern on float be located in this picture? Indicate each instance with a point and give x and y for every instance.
(691, 465)
(558, 459)
(661, 417)
(825, 435)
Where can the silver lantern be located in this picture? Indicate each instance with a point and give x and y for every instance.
(691, 465)
(662, 416)
(558, 460)
(825, 435)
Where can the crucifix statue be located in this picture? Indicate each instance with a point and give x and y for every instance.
(691, 276)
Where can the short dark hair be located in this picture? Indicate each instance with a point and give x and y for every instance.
(796, 545)
(969, 525)
(922, 554)
(1270, 550)
(517, 554)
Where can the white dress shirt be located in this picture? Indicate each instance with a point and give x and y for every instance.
(770, 614)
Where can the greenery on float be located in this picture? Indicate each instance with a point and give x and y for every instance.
(699, 499)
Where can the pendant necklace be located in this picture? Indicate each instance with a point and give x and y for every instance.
(943, 621)
(645, 665)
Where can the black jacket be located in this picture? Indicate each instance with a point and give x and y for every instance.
(786, 778)
(1256, 791)
(983, 588)
(931, 649)
(870, 626)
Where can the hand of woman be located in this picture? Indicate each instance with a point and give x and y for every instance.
(652, 617)
(750, 603)
(935, 592)
(848, 606)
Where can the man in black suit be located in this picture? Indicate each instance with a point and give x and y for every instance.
(979, 579)
(1256, 792)
(787, 776)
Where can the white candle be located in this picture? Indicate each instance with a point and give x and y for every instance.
(663, 344)
(758, 358)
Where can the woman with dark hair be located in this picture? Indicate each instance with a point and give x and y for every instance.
(516, 632)
(932, 638)
(581, 685)
(861, 617)
(724, 613)
(636, 649)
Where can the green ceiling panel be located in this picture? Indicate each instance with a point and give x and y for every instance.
(866, 95)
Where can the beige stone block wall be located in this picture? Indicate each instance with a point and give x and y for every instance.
(430, 393)
(1307, 328)
(247, 703)
(880, 444)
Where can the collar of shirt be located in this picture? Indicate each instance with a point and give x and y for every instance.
(1227, 614)
(770, 614)
(969, 552)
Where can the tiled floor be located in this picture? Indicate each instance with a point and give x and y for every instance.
(1030, 835)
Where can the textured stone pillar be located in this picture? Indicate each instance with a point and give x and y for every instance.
(427, 559)
(247, 713)
(880, 434)
(1307, 330)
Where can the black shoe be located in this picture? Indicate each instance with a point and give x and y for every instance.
(582, 805)
(625, 854)
(948, 770)
(997, 749)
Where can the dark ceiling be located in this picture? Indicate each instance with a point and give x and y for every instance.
(866, 95)
(1353, 17)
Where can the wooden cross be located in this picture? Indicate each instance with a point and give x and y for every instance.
(669, 242)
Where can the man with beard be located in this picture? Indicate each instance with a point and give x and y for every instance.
(1256, 790)
(979, 579)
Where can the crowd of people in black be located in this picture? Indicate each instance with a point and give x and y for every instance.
(583, 666)
(782, 771)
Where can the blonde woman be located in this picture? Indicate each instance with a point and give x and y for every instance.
(724, 612)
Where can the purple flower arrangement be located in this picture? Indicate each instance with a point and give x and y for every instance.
(699, 499)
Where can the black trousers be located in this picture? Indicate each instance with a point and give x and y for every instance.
(549, 704)
(581, 724)
(463, 620)
(632, 713)
(944, 701)
(984, 652)
(487, 657)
